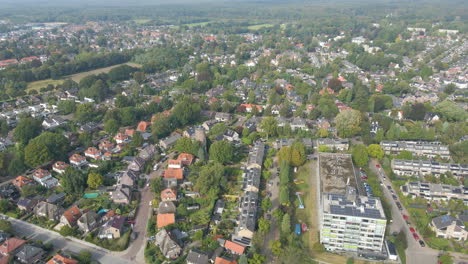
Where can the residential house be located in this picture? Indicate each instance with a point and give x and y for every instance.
(299, 123)
(197, 257)
(172, 173)
(52, 122)
(122, 138)
(93, 153)
(106, 146)
(234, 248)
(168, 246)
(56, 198)
(186, 159)
(60, 167)
(222, 117)
(436, 192)
(26, 204)
(330, 143)
(147, 152)
(44, 178)
(48, 210)
(424, 167)
(113, 228)
(168, 195)
(121, 195)
(143, 126)
(128, 179)
(256, 155)
(207, 125)
(137, 164)
(170, 141)
(166, 214)
(231, 136)
(11, 246)
(224, 260)
(174, 164)
(71, 216)
(447, 226)
(78, 161)
(29, 254)
(88, 221)
(9, 192)
(419, 148)
(251, 179)
(62, 258)
(218, 211)
(248, 207)
(21, 181)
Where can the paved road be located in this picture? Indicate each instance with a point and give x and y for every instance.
(415, 254)
(75, 246)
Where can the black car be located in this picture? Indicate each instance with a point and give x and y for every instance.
(422, 243)
(394, 197)
(399, 206)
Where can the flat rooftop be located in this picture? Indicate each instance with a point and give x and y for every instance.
(335, 170)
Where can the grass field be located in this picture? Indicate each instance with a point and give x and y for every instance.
(197, 24)
(141, 21)
(40, 84)
(260, 26)
(78, 76)
(75, 77)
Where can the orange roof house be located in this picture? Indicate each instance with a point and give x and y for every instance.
(60, 167)
(328, 90)
(165, 220)
(222, 260)
(21, 181)
(234, 247)
(70, 216)
(11, 245)
(168, 195)
(129, 132)
(143, 126)
(186, 158)
(176, 164)
(173, 173)
(62, 259)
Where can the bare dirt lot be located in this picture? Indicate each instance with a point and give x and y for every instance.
(336, 170)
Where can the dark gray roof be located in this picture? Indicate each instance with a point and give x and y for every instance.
(197, 257)
(443, 221)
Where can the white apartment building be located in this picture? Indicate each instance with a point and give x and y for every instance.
(436, 192)
(424, 167)
(419, 148)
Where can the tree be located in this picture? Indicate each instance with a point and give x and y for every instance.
(4, 206)
(266, 204)
(85, 257)
(269, 125)
(335, 84)
(284, 195)
(416, 112)
(210, 178)
(257, 259)
(450, 88)
(36, 155)
(27, 129)
(298, 154)
(111, 126)
(286, 224)
(263, 225)
(405, 154)
(73, 181)
(221, 151)
(68, 231)
(360, 156)
(243, 259)
(275, 246)
(284, 154)
(156, 185)
(137, 139)
(323, 133)
(85, 112)
(323, 148)
(451, 111)
(57, 144)
(375, 151)
(95, 180)
(6, 226)
(348, 123)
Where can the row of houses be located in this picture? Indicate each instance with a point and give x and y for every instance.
(248, 204)
(333, 144)
(436, 192)
(419, 148)
(424, 167)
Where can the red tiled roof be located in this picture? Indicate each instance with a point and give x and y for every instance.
(11, 245)
(185, 158)
(20, 181)
(220, 260)
(41, 173)
(234, 247)
(143, 126)
(168, 193)
(72, 214)
(174, 173)
(61, 259)
(165, 220)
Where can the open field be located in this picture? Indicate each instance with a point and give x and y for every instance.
(78, 76)
(43, 83)
(141, 21)
(197, 24)
(260, 26)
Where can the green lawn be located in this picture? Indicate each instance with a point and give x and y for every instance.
(141, 21)
(41, 84)
(260, 26)
(201, 24)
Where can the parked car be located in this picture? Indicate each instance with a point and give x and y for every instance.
(405, 217)
(422, 243)
(377, 166)
(415, 236)
(394, 197)
(412, 230)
